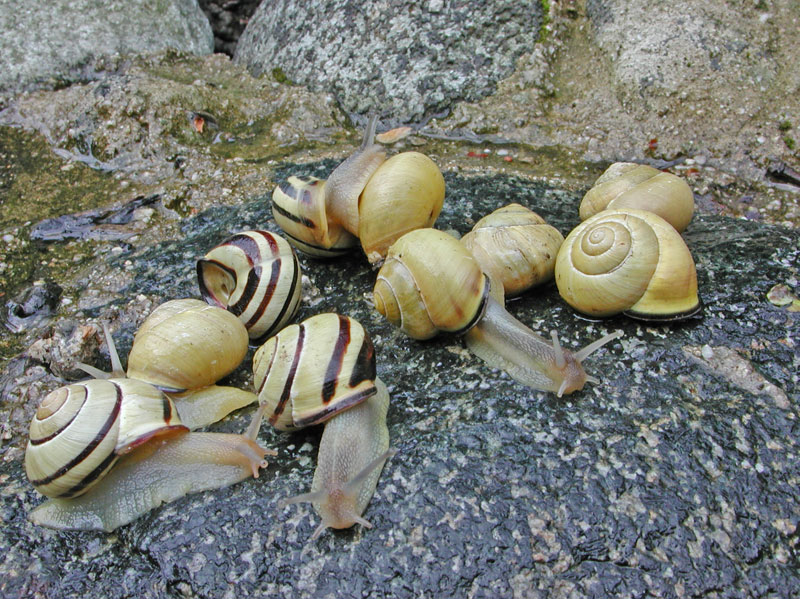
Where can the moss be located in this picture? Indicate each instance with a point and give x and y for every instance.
(543, 28)
(790, 143)
(784, 125)
(280, 76)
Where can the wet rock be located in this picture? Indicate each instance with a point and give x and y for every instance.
(228, 19)
(32, 306)
(57, 42)
(406, 62)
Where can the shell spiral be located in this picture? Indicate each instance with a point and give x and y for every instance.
(310, 371)
(628, 261)
(80, 430)
(430, 282)
(187, 344)
(255, 276)
(515, 246)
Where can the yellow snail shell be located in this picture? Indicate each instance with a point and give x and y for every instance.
(80, 430)
(628, 261)
(310, 371)
(412, 293)
(515, 246)
(256, 277)
(365, 197)
(625, 185)
(430, 282)
(187, 344)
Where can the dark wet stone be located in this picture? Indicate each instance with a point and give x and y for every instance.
(672, 477)
(32, 305)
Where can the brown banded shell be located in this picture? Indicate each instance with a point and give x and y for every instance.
(430, 282)
(299, 210)
(515, 246)
(310, 371)
(187, 344)
(628, 261)
(79, 431)
(255, 276)
(626, 185)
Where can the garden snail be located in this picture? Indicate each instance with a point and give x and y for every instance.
(628, 261)
(515, 247)
(626, 185)
(430, 282)
(183, 347)
(255, 276)
(366, 198)
(323, 370)
(108, 450)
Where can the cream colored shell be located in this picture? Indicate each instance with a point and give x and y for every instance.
(626, 185)
(515, 246)
(254, 275)
(310, 371)
(80, 430)
(430, 282)
(627, 260)
(405, 193)
(187, 344)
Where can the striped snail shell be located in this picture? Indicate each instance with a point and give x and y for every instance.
(626, 185)
(187, 344)
(310, 371)
(515, 246)
(79, 431)
(366, 198)
(255, 276)
(628, 261)
(430, 282)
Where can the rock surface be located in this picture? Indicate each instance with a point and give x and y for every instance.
(53, 43)
(403, 59)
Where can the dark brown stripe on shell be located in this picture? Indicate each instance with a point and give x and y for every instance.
(364, 368)
(41, 440)
(286, 304)
(249, 291)
(479, 313)
(336, 362)
(331, 410)
(91, 477)
(90, 447)
(205, 292)
(293, 217)
(248, 245)
(287, 388)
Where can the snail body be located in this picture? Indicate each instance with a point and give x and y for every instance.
(629, 186)
(108, 450)
(366, 198)
(515, 247)
(629, 261)
(465, 305)
(323, 370)
(255, 276)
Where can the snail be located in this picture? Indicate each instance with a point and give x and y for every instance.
(255, 276)
(366, 198)
(108, 450)
(323, 370)
(626, 185)
(430, 282)
(515, 247)
(183, 347)
(629, 261)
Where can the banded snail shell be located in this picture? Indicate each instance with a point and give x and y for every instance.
(187, 344)
(405, 193)
(515, 246)
(256, 277)
(80, 430)
(629, 261)
(430, 282)
(299, 210)
(310, 371)
(626, 185)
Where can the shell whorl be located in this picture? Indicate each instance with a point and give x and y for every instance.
(430, 282)
(254, 275)
(187, 344)
(310, 371)
(629, 261)
(515, 246)
(80, 430)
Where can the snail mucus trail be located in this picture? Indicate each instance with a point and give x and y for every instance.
(323, 370)
(423, 296)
